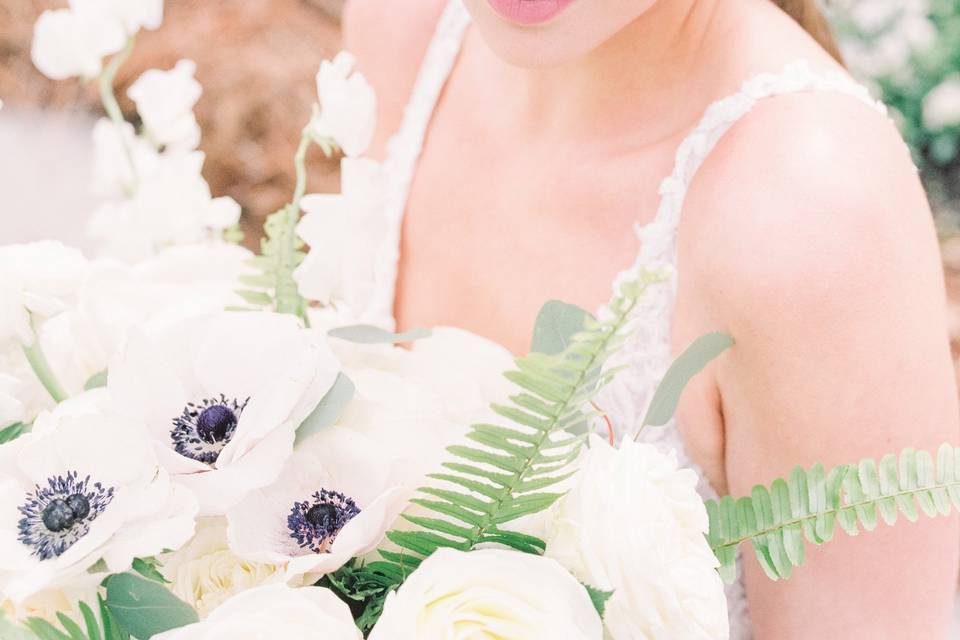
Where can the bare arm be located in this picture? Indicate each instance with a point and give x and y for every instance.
(825, 268)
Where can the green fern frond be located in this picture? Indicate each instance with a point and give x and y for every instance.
(811, 503)
(505, 471)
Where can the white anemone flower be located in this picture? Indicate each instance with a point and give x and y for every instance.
(11, 407)
(38, 280)
(333, 502)
(222, 397)
(82, 487)
(348, 106)
(345, 232)
(634, 524)
(489, 594)
(165, 101)
(274, 611)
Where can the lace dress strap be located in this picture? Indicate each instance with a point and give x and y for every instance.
(404, 149)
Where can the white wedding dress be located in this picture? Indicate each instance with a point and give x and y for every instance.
(648, 354)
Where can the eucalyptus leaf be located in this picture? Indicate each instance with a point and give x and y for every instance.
(145, 608)
(691, 362)
(96, 381)
(148, 569)
(368, 334)
(556, 325)
(330, 409)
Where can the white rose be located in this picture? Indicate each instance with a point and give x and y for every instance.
(634, 524)
(344, 232)
(38, 280)
(165, 101)
(941, 107)
(274, 611)
(348, 106)
(488, 593)
(79, 488)
(204, 573)
(222, 397)
(334, 501)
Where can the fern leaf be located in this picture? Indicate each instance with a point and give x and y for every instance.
(808, 506)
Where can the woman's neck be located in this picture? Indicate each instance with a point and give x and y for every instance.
(653, 71)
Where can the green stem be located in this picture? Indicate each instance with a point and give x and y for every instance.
(287, 298)
(41, 367)
(109, 99)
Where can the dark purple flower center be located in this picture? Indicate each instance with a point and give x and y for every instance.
(315, 523)
(56, 516)
(204, 429)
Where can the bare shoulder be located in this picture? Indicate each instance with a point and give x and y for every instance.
(813, 198)
(389, 39)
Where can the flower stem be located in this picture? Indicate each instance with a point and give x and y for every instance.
(287, 298)
(41, 367)
(109, 98)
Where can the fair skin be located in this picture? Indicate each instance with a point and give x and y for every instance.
(806, 236)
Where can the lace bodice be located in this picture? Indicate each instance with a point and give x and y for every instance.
(648, 353)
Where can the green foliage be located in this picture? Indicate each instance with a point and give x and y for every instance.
(367, 334)
(504, 474)
(272, 285)
(811, 503)
(103, 628)
(12, 432)
(145, 608)
(556, 324)
(330, 408)
(147, 567)
(599, 598)
(96, 381)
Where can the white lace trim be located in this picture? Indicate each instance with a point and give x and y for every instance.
(648, 352)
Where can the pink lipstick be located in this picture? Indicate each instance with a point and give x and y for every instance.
(529, 12)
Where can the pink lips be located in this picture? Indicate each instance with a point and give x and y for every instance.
(529, 11)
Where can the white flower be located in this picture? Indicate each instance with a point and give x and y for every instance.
(73, 42)
(49, 602)
(488, 594)
(222, 397)
(334, 501)
(344, 232)
(165, 101)
(941, 107)
(634, 524)
(204, 573)
(81, 487)
(119, 158)
(348, 106)
(170, 206)
(274, 611)
(38, 280)
(11, 407)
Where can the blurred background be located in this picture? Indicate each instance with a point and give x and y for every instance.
(256, 60)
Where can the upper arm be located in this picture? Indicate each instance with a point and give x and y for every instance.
(389, 39)
(822, 262)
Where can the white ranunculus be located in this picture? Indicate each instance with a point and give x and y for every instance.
(344, 232)
(274, 611)
(204, 573)
(82, 487)
(170, 206)
(348, 106)
(941, 107)
(488, 594)
(334, 501)
(634, 524)
(37, 280)
(165, 101)
(222, 397)
(120, 158)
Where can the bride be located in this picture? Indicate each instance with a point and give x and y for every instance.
(527, 140)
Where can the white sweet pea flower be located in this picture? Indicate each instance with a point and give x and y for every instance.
(38, 280)
(488, 594)
(82, 487)
(222, 397)
(120, 157)
(73, 42)
(204, 573)
(634, 524)
(344, 232)
(348, 106)
(165, 101)
(170, 206)
(333, 502)
(941, 107)
(132, 14)
(275, 611)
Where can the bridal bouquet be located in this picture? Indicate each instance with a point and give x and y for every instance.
(198, 442)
